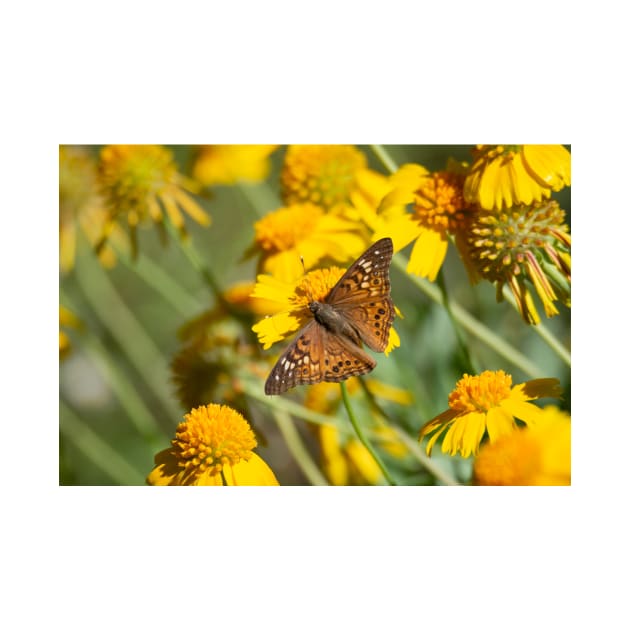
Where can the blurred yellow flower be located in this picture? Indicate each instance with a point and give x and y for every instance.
(504, 175)
(293, 299)
(486, 403)
(67, 319)
(297, 237)
(226, 164)
(139, 183)
(438, 210)
(80, 206)
(212, 447)
(523, 247)
(538, 455)
(336, 178)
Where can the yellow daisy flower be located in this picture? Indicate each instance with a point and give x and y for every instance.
(538, 455)
(212, 447)
(67, 319)
(139, 183)
(297, 237)
(335, 178)
(292, 300)
(438, 210)
(486, 403)
(523, 247)
(80, 206)
(226, 164)
(504, 175)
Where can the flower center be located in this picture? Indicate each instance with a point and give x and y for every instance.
(212, 437)
(315, 286)
(283, 229)
(130, 174)
(440, 201)
(323, 175)
(503, 243)
(480, 393)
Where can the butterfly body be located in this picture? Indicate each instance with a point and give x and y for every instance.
(326, 315)
(358, 309)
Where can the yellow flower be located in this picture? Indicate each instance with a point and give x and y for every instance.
(139, 183)
(335, 178)
(522, 247)
(212, 447)
(538, 455)
(292, 300)
(504, 175)
(486, 403)
(66, 319)
(438, 210)
(226, 164)
(298, 237)
(80, 206)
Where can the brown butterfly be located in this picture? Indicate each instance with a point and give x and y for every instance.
(357, 309)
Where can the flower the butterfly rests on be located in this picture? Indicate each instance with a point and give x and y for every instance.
(358, 309)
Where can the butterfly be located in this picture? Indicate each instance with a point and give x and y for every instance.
(358, 309)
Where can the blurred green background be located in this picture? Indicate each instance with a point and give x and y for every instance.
(118, 307)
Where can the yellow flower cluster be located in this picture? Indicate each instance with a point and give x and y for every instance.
(320, 261)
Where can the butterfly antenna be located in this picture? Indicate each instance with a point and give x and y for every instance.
(306, 287)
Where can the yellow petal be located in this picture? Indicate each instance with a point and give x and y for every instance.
(428, 254)
(253, 472)
(499, 421)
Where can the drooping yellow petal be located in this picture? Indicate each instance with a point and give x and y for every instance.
(253, 472)
(428, 254)
(499, 422)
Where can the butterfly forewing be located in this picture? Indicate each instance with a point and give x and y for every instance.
(325, 350)
(362, 295)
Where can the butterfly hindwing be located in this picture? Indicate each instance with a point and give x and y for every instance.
(315, 356)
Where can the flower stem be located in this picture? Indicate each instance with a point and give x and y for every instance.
(472, 325)
(96, 449)
(463, 346)
(121, 323)
(159, 280)
(298, 450)
(361, 436)
(253, 390)
(543, 333)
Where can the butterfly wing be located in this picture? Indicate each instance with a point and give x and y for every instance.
(317, 355)
(362, 295)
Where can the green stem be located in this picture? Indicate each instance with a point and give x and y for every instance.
(197, 263)
(357, 428)
(384, 157)
(253, 390)
(166, 286)
(543, 332)
(472, 325)
(469, 367)
(297, 449)
(141, 418)
(409, 442)
(97, 450)
(114, 314)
